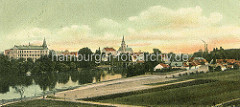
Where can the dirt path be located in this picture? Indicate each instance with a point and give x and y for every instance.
(109, 104)
(112, 87)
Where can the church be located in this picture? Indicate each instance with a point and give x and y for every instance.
(124, 48)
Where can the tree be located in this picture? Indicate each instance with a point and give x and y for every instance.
(86, 58)
(156, 51)
(72, 66)
(19, 89)
(149, 64)
(61, 67)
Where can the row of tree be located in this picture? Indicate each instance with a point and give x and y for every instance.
(219, 53)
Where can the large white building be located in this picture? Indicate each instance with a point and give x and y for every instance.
(27, 51)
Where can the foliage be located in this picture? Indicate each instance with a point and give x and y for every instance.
(86, 59)
(219, 54)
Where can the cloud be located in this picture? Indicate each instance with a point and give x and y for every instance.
(74, 31)
(161, 17)
(108, 23)
(179, 30)
(140, 44)
(24, 36)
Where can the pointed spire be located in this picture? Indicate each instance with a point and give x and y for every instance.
(123, 38)
(44, 43)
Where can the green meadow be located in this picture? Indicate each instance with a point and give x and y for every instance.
(206, 90)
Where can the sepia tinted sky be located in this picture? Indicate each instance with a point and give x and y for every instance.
(170, 25)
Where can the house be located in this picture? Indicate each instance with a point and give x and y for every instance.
(230, 61)
(74, 53)
(176, 64)
(194, 65)
(109, 50)
(223, 68)
(179, 65)
(198, 60)
(138, 57)
(161, 66)
(230, 66)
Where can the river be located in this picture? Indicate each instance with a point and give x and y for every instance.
(36, 85)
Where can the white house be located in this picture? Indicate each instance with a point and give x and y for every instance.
(161, 66)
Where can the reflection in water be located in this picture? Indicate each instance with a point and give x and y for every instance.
(35, 84)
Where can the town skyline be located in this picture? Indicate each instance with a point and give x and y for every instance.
(178, 28)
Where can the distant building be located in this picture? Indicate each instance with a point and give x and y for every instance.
(27, 51)
(138, 57)
(161, 66)
(227, 63)
(179, 65)
(124, 48)
(108, 51)
(198, 61)
(66, 52)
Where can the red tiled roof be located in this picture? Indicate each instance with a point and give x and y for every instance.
(230, 60)
(109, 49)
(185, 64)
(140, 61)
(229, 66)
(164, 65)
(194, 64)
(238, 64)
(220, 60)
(74, 53)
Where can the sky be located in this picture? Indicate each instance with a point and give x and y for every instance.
(169, 25)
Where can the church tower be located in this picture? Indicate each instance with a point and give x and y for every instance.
(123, 45)
(44, 43)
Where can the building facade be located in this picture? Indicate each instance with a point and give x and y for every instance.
(27, 51)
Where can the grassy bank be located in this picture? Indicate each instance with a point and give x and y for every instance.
(44, 103)
(208, 89)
